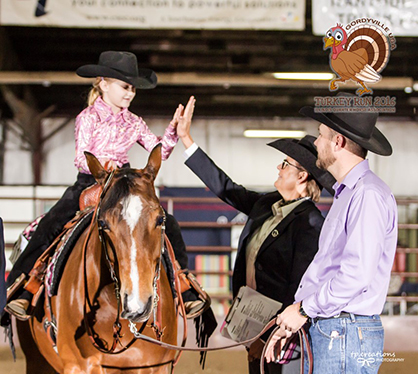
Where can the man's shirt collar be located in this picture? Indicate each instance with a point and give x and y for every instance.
(351, 178)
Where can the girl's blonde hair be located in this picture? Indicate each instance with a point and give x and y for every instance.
(95, 91)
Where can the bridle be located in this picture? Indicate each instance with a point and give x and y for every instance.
(109, 247)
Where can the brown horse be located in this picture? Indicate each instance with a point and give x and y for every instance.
(129, 219)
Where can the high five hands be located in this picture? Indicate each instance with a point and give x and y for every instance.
(183, 119)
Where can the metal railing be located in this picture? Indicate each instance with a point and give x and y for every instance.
(402, 300)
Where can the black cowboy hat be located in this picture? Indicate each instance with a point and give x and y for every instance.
(360, 127)
(122, 66)
(304, 152)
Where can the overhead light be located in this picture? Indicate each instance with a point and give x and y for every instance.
(413, 101)
(265, 133)
(305, 76)
(408, 90)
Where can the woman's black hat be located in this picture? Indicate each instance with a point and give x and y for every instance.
(358, 126)
(122, 66)
(304, 152)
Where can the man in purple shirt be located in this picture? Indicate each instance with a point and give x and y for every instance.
(343, 291)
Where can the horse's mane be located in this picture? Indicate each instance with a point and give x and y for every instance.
(121, 188)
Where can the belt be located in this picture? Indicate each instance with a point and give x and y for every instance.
(341, 315)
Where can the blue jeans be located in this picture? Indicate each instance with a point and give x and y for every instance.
(352, 345)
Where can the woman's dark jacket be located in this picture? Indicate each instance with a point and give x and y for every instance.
(282, 259)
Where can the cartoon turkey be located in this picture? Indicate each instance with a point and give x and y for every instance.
(358, 56)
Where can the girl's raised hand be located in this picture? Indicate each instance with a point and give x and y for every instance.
(177, 114)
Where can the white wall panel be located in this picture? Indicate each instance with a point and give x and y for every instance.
(248, 161)
(17, 163)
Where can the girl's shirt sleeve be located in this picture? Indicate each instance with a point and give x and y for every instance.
(149, 140)
(84, 140)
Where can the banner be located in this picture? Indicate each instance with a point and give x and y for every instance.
(400, 16)
(157, 14)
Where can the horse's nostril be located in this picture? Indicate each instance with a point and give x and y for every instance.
(125, 305)
(149, 303)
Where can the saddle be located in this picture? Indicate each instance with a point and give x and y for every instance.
(90, 196)
(48, 269)
(53, 259)
(49, 266)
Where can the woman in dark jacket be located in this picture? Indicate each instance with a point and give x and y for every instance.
(280, 237)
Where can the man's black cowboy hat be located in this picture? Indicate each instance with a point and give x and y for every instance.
(304, 152)
(360, 127)
(122, 66)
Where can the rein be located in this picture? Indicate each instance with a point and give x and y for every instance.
(301, 333)
(302, 338)
(139, 335)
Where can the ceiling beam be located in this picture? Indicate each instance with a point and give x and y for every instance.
(47, 78)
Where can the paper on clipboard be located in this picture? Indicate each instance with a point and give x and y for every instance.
(249, 313)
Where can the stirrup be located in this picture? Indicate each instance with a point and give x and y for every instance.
(19, 283)
(18, 314)
(194, 308)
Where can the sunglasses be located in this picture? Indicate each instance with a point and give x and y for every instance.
(285, 163)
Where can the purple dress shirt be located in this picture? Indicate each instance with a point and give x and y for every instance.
(357, 245)
(109, 136)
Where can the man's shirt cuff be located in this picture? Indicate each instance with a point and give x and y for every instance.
(189, 151)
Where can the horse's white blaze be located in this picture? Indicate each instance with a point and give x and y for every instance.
(134, 301)
(132, 209)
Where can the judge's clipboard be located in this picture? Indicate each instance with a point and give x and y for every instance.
(249, 313)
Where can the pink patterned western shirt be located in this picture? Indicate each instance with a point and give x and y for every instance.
(109, 136)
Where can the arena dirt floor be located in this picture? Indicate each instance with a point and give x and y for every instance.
(401, 345)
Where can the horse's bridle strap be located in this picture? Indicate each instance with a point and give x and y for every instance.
(138, 335)
(181, 307)
(98, 343)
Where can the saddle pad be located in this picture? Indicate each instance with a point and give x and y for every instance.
(62, 252)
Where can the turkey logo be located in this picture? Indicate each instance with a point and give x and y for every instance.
(359, 54)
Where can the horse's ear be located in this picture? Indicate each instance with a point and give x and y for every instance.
(97, 170)
(154, 161)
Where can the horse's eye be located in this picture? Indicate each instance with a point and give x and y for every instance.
(160, 221)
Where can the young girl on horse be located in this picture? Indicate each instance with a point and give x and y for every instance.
(107, 129)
